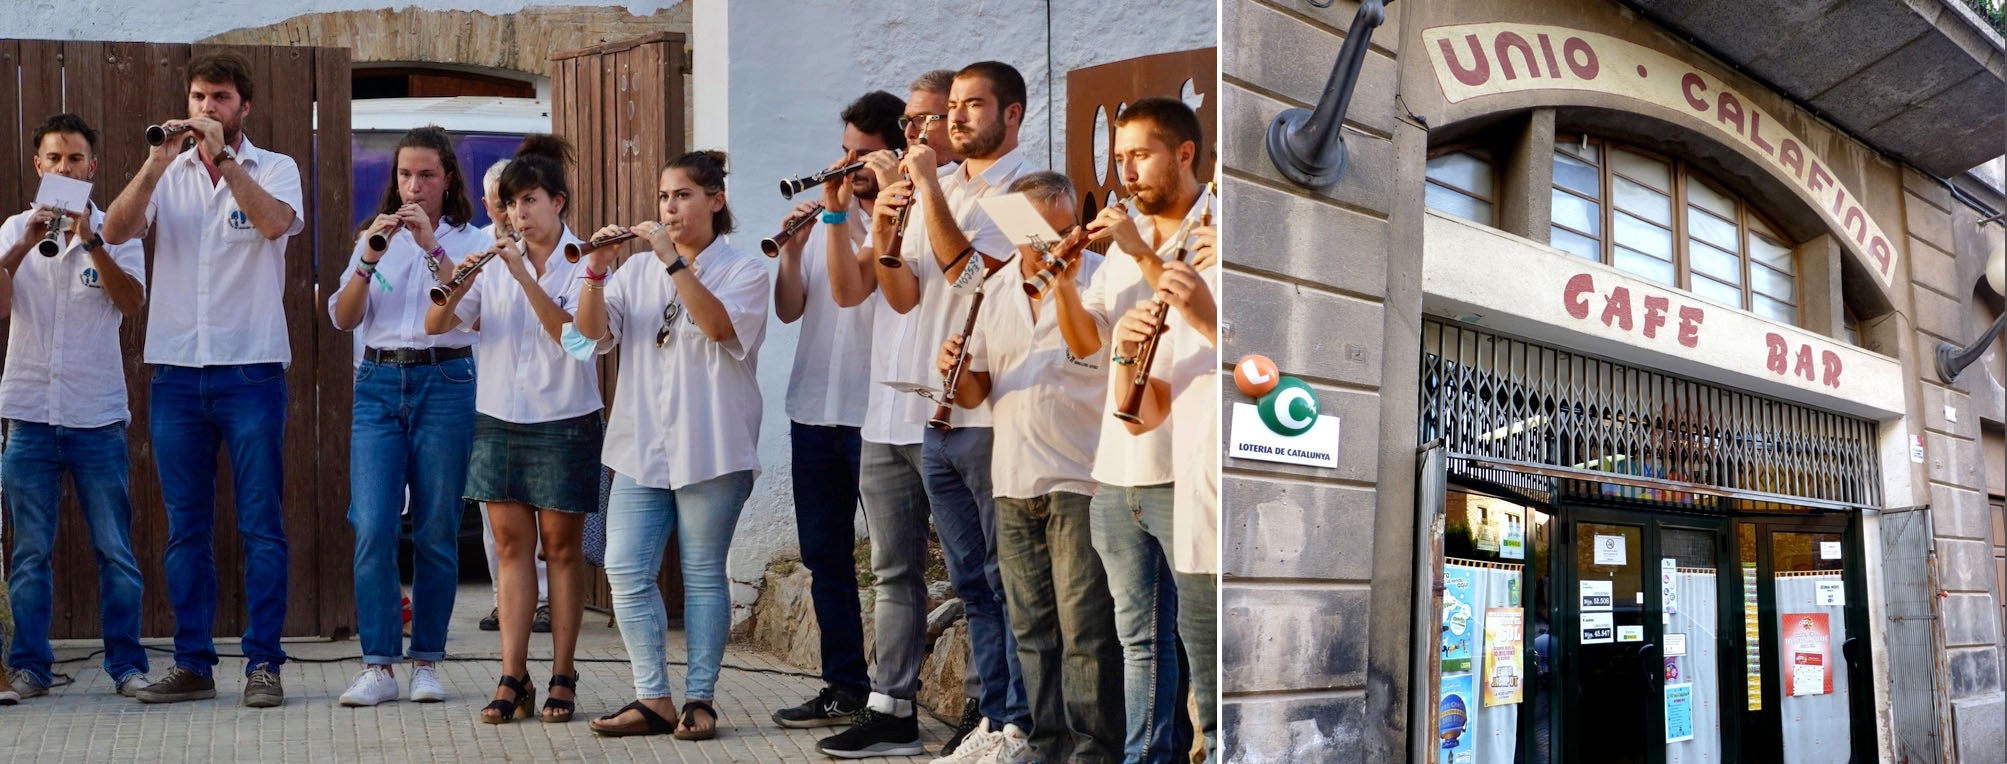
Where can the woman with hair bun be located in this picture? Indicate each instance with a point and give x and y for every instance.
(536, 422)
(684, 434)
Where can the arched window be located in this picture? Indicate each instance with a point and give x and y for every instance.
(1662, 220)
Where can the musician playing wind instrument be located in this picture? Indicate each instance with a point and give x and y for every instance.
(827, 395)
(683, 444)
(413, 422)
(537, 426)
(1046, 405)
(221, 214)
(1157, 148)
(64, 399)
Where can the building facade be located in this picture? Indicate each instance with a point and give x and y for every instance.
(1628, 312)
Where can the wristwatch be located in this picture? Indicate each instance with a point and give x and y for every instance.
(226, 155)
(678, 264)
(94, 242)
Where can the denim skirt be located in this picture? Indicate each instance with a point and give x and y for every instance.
(547, 465)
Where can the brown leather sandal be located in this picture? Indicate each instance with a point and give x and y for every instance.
(689, 720)
(651, 723)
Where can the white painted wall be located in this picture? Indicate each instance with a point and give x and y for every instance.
(770, 79)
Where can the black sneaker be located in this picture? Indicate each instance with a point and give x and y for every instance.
(972, 717)
(541, 624)
(873, 734)
(828, 708)
(262, 689)
(494, 620)
(178, 685)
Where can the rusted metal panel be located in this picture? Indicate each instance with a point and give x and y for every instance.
(1095, 96)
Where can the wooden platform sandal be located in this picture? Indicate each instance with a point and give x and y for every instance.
(511, 710)
(558, 710)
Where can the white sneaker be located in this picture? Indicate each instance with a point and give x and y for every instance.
(1012, 745)
(425, 684)
(975, 747)
(374, 685)
(133, 684)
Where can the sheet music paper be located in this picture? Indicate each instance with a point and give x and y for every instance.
(63, 193)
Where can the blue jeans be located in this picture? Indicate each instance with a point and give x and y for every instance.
(413, 426)
(956, 468)
(825, 512)
(1064, 619)
(31, 476)
(242, 409)
(1146, 616)
(639, 524)
(1198, 625)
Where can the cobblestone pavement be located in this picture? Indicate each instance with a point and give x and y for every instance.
(88, 722)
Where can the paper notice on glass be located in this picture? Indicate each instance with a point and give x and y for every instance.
(1829, 550)
(63, 193)
(1675, 644)
(1596, 595)
(1807, 678)
(1831, 594)
(1679, 712)
(1597, 629)
(1609, 550)
(1630, 633)
(1669, 585)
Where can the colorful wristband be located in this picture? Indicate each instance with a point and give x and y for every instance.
(835, 218)
(590, 277)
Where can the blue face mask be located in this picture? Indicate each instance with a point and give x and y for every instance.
(575, 344)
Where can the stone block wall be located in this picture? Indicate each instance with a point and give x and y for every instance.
(1314, 606)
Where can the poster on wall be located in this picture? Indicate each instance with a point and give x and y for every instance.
(1610, 550)
(1453, 721)
(1679, 712)
(1808, 654)
(1459, 616)
(1504, 661)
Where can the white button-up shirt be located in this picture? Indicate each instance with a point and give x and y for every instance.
(1192, 366)
(396, 318)
(1124, 459)
(218, 293)
(831, 381)
(523, 375)
(941, 312)
(688, 411)
(1047, 403)
(63, 361)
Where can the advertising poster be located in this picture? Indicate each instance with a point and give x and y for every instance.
(1513, 547)
(1459, 617)
(1679, 712)
(1504, 660)
(1752, 635)
(1807, 652)
(1453, 721)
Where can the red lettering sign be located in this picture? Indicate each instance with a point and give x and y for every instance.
(1619, 314)
(1780, 360)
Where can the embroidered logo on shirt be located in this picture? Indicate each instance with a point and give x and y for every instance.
(240, 221)
(90, 278)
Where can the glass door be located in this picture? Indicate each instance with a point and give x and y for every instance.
(1642, 637)
(1805, 627)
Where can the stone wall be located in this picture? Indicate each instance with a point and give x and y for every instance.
(1943, 235)
(1313, 556)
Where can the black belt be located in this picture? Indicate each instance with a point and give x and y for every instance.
(414, 356)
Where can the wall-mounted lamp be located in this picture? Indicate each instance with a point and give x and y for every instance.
(1307, 146)
(1952, 359)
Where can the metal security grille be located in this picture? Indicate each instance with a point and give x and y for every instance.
(1551, 424)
